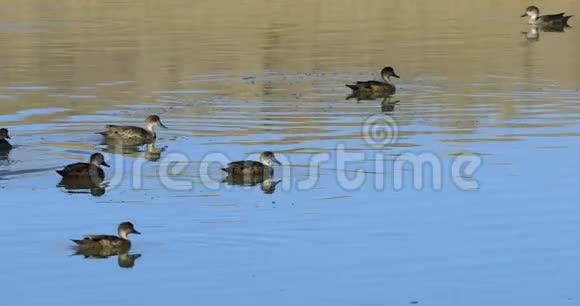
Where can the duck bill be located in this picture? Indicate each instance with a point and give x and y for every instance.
(524, 15)
(136, 232)
(396, 75)
(162, 125)
(105, 164)
(8, 137)
(277, 162)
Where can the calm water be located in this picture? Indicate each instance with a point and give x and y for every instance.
(232, 79)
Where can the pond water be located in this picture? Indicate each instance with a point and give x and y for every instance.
(490, 107)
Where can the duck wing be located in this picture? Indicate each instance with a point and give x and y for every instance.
(552, 18)
(360, 85)
(99, 237)
(125, 131)
(109, 128)
(93, 240)
(243, 166)
(98, 241)
(370, 83)
(77, 169)
(82, 171)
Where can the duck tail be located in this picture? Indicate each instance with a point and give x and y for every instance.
(353, 87)
(61, 172)
(76, 241)
(566, 18)
(225, 170)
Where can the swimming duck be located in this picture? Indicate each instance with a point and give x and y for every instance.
(107, 244)
(4, 144)
(133, 135)
(253, 168)
(545, 20)
(90, 170)
(376, 86)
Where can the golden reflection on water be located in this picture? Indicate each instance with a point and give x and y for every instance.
(80, 58)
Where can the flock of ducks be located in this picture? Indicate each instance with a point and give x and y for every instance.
(90, 175)
(245, 172)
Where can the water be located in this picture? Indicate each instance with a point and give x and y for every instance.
(232, 79)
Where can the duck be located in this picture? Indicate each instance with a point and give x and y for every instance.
(133, 135)
(4, 144)
(253, 168)
(107, 244)
(386, 87)
(545, 20)
(90, 170)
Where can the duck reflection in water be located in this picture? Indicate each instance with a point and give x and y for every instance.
(125, 260)
(534, 33)
(104, 246)
(152, 153)
(367, 96)
(387, 105)
(251, 173)
(83, 186)
(267, 184)
(4, 155)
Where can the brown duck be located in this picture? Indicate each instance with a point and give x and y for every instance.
(385, 87)
(133, 135)
(4, 144)
(107, 244)
(253, 168)
(90, 170)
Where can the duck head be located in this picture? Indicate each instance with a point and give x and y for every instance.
(532, 11)
(4, 134)
(267, 158)
(125, 229)
(152, 121)
(98, 159)
(388, 72)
